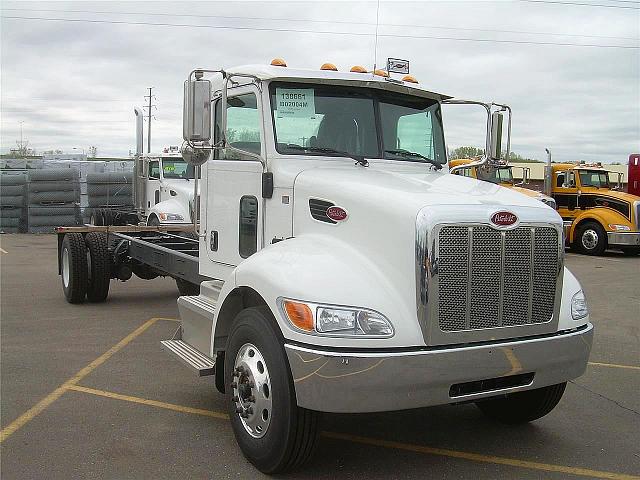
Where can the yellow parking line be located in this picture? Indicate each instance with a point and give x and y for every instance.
(475, 457)
(614, 365)
(152, 403)
(57, 393)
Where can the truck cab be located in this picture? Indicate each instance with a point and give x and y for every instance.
(596, 212)
(169, 188)
(501, 174)
(349, 272)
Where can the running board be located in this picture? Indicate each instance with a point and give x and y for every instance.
(190, 356)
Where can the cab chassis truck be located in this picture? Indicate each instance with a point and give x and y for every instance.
(344, 269)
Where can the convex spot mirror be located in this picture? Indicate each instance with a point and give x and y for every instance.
(196, 112)
(496, 135)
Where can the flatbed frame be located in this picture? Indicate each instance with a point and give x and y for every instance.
(167, 249)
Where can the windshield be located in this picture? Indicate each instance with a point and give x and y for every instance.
(325, 119)
(496, 175)
(594, 178)
(176, 167)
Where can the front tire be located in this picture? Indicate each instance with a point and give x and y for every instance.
(73, 262)
(274, 434)
(591, 238)
(523, 407)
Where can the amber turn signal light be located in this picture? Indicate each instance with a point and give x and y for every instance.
(299, 314)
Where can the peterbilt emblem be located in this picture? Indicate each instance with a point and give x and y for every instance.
(504, 218)
(337, 214)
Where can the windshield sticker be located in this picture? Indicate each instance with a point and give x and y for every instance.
(169, 168)
(295, 103)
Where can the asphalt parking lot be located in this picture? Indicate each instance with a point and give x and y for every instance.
(86, 392)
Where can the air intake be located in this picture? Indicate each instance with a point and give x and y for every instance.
(318, 210)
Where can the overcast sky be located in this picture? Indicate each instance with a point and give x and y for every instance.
(75, 83)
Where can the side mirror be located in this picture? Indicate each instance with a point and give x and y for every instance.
(196, 113)
(496, 135)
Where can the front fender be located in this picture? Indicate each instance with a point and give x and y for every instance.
(570, 287)
(603, 215)
(172, 206)
(323, 269)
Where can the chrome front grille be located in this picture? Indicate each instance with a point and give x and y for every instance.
(489, 278)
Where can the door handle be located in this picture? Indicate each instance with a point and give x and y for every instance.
(213, 241)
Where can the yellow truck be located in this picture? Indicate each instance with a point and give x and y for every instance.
(500, 174)
(597, 214)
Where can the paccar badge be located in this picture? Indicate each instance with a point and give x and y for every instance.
(504, 218)
(337, 214)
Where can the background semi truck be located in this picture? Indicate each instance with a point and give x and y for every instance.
(343, 269)
(499, 173)
(596, 212)
(163, 189)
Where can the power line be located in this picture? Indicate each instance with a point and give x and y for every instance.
(344, 22)
(321, 32)
(582, 4)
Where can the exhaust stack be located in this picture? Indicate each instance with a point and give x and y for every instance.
(139, 170)
(547, 174)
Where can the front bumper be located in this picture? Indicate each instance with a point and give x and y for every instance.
(357, 382)
(627, 239)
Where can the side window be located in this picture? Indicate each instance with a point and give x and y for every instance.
(243, 124)
(248, 227)
(415, 134)
(154, 170)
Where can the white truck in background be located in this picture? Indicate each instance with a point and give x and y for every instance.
(163, 189)
(341, 268)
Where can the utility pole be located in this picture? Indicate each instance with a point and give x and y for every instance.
(149, 106)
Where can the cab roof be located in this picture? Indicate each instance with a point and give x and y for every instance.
(363, 80)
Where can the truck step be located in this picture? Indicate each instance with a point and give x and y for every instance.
(190, 356)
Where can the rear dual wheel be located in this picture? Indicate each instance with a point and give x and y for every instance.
(85, 267)
(274, 434)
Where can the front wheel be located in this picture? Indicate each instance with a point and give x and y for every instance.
(591, 238)
(274, 434)
(523, 407)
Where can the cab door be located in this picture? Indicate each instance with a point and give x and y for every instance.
(565, 193)
(153, 183)
(235, 208)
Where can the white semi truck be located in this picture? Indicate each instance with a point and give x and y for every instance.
(343, 269)
(163, 189)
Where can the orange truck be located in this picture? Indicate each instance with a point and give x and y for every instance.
(500, 174)
(597, 213)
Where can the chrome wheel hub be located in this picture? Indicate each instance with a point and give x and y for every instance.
(590, 239)
(65, 267)
(251, 387)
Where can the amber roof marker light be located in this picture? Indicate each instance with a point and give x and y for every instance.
(278, 62)
(358, 69)
(410, 79)
(329, 66)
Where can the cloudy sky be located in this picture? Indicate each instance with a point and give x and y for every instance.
(570, 69)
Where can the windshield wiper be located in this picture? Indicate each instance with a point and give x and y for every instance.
(358, 158)
(414, 157)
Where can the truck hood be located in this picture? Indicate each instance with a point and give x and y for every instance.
(404, 188)
(182, 187)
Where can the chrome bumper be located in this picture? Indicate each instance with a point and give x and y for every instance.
(356, 382)
(624, 238)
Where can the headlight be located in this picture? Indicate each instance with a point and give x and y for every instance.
(579, 306)
(170, 216)
(619, 228)
(335, 320)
